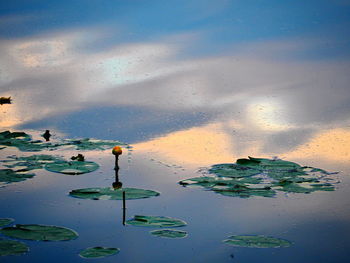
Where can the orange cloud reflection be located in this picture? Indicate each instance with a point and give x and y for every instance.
(333, 145)
(197, 146)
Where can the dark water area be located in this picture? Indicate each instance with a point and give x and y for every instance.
(188, 84)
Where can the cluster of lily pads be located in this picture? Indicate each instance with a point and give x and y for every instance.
(37, 232)
(20, 168)
(25, 143)
(160, 222)
(262, 177)
(245, 178)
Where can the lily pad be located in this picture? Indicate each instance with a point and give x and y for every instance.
(72, 167)
(98, 252)
(246, 192)
(92, 144)
(169, 233)
(258, 241)
(232, 170)
(263, 163)
(155, 221)
(39, 232)
(262, 177)
(28, 163)
(209, 182)
(11, 176)
(6, 221)
(11, 247)
(112, 194)
(24, 142)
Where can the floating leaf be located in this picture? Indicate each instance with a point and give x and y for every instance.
(11, 176)
(72, 167)
(210, 182)
(92, 144)
(246, 192)
(258, 241)
(28, 163)
(262, 163)
(232, 170)
(169, 233)
(39, 232)
(24, 142)
(98, 252)
(11, 247)
(112, 194)
(262, 177)
(6, 221)
(155, 221)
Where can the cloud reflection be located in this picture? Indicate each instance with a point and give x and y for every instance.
(54, 75)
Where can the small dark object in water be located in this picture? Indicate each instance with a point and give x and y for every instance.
(4, 100)
(47, 135)
(117, 185)
(79, 158)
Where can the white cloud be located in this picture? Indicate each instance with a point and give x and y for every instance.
(49, 75)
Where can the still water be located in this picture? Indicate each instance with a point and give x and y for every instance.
(188, 84)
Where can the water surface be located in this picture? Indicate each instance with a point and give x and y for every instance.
(188, 84)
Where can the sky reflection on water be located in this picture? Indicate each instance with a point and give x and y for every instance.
(188, 84)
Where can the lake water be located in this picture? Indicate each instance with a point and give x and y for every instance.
(188, 84)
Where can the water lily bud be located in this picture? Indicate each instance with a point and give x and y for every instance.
(117, 150)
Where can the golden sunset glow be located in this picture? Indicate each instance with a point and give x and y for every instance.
(201, 146)
(329, 145)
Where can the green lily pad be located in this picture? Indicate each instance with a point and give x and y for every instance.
(246, 192)
(6, 221)
(11, 247)
(265, 164)
(92, 144)
(72, 167)
(155, 221)
(24, 142)
(99, 252)
(112, 194)
(209, 182)
(28, 163)
(262, 177)
(258, 241)
(39, 232)
(232, 170)
(11, 176)
(169, 233)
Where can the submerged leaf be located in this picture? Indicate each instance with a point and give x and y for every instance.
(112, 194)
(169, 233)
(258, 241)
(98, 252)
(11, 176)
(6, 221)
(11, 247)
(72, 167)
(39, 232)
(155, 221)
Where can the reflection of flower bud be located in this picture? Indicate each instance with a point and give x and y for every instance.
(117, 185)
(117, 150)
